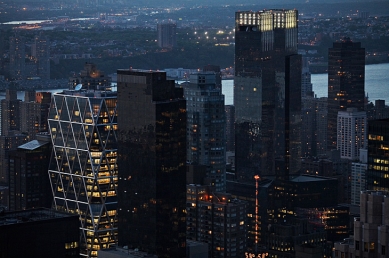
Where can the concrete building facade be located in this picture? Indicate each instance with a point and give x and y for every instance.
(371, 229)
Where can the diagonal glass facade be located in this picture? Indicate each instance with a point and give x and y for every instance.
(83, 168)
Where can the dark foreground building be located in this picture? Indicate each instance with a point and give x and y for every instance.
(152, 157)
(278, 199)
(39, 233)
(29, 185)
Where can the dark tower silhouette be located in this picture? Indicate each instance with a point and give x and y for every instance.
(10, 113)
(267, 93)
(17, 55)
(152, 158)
(346, 82)
(41, 53)
(29, 184)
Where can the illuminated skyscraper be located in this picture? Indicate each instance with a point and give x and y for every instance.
(267, 93)
(83, 170)
(346, 83)
(152, 159)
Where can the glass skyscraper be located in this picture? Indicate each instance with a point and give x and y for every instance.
(83, 169)
(346, 83)
(152, 163)
(267, 93)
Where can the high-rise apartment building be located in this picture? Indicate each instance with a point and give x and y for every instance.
(352, 130)
(10, 112)
(167, 37)
(8, 143)
(267, 93)
(152, 159)
(34, 112)
(346, 83)
(40, 50)
(17, 56)
(378, 155)
(83, 170)
(206, 123)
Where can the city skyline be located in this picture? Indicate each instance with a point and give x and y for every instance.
(140, 157)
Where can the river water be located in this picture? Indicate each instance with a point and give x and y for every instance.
(376, 84)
